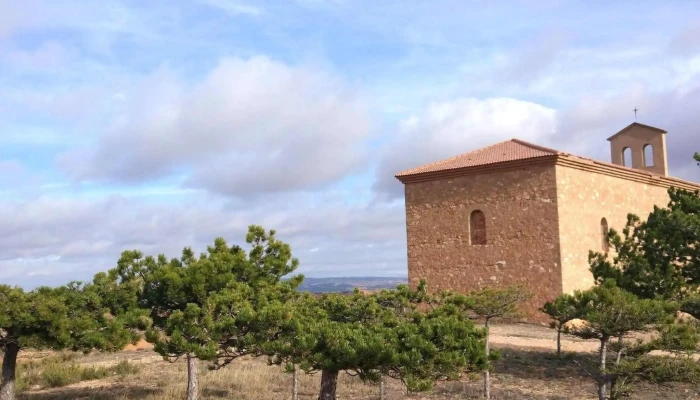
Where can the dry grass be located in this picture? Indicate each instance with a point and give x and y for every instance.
(524, 373)
(63, 369)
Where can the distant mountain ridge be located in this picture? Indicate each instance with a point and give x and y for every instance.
(349, 283)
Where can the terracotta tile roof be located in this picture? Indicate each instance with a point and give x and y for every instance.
(510, 150)
(515, 149)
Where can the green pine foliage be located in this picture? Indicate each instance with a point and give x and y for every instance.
(690, 303)
(609, 312)
(489, 303)
(447, 343)
(73, 317)
(659, 370)
(562, 310)
(216, 307)
(659, 256)
(653, 272)
(636, 363)
(678, 337)
(378, 334)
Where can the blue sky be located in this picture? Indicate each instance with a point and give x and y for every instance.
(163, 124)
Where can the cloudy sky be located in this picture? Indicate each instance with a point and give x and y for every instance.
(161, 124)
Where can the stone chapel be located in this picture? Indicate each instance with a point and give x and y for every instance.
(515, 212)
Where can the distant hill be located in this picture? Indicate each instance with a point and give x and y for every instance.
(348, 284)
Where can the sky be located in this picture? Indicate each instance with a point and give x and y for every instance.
(163, 124)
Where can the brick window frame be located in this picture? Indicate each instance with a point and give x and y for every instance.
(478, 227)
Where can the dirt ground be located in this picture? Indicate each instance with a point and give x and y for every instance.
(528, 370)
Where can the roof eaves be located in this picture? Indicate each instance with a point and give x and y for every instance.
(481, 167)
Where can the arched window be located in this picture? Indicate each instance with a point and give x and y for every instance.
(604, 235)
(627, 157)
(648, 156)
(477, 227)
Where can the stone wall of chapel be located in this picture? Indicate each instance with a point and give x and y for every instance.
(585, 198)
(521, 227)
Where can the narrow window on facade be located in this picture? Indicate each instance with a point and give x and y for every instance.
(648, 156)
(627, 157)
(477, 227)
(604, 235)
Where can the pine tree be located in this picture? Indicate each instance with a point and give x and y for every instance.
(611, 312)
(73, 317)
(634, 361)
(216, 307)
(489, 303)
(373, 335)
(562, 310)
(436, 341)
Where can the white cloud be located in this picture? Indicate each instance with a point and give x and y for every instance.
(451, 128)
(249, 126)
(584, 127)
(253, 126)
(447, 129)
(73, 239)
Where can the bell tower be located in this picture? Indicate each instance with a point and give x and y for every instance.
(640, 146)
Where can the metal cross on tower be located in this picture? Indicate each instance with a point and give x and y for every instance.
(635, 114)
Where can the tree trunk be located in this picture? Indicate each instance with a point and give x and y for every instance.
(381, 388)
(9, 363)
(191, 377)
(295, 383)
(602, 379)
(559, 341)
(619, 353)
(613, 379)
(329, 384)
(487, 378)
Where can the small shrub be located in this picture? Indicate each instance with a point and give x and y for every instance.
(58, 375)
(91, 373)
(27, 375)
(669, 369)
(125, 368)
(55, 375)
(23, 379)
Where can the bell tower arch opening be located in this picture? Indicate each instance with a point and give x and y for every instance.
(646, 145)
